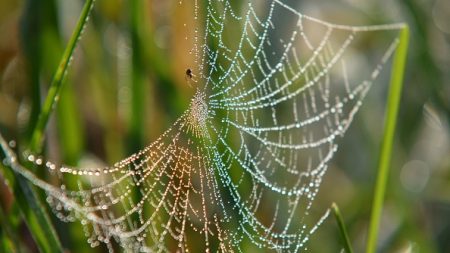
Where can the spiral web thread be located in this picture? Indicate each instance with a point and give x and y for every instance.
(243, 165)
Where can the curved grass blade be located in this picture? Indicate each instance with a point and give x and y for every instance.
(395, 90)
(342, 229)
(58, 78)
(27, 199)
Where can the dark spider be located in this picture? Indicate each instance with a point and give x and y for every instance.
(189, 73)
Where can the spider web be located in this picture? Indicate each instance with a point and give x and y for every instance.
(242, 166)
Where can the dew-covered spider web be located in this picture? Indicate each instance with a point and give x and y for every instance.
(241, 167)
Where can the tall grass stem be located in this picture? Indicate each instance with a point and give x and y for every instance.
(395, 90)
(34, 213)
(58, 78)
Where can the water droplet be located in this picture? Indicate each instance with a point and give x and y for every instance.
(12, 144)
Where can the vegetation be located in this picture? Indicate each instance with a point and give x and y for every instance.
(127, 84)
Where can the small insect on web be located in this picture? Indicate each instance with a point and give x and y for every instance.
(189, 76)
(242, 166)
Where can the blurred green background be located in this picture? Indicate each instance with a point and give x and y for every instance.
(127, 84)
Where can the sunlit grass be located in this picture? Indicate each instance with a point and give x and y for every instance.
(384, 163)
(33, 211)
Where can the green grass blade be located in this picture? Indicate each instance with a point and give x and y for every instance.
(393, 102)
(342, 229)
(8, 239)
(69, 119)
(58, 78)
(34, 213)
(137, 121)
(36, 217)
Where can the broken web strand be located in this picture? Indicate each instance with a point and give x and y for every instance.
(165, 171)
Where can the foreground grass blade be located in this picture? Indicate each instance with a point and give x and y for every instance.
(342, 229)
(57, 81)
(395, 90)
(33, 211)
(8, 239)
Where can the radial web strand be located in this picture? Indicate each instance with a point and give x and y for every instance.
(242, 166)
